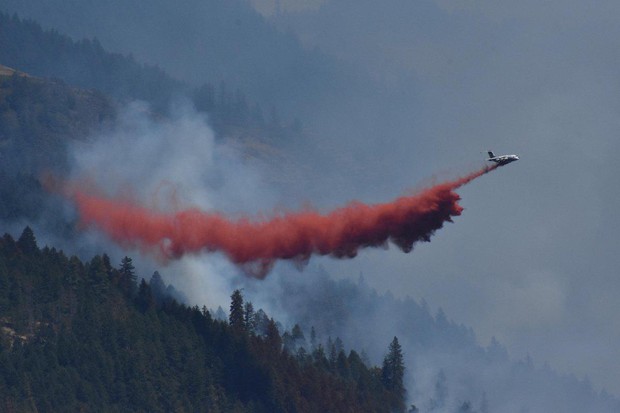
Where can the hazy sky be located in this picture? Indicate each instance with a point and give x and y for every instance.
(533, 259)
(268, 7)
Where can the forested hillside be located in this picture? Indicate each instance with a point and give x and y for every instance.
(39, 117)
(27, 47)
(199, 41)
(38, 120)
(47, 53)
(88, 336)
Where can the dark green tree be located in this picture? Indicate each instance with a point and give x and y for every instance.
(249, 318)
(261, 321)
(272, 336)
(236, 316)
(127, 268)
(392, 374)
(107, 264)
(27, 243)
(127, 275)
(297, 337)
(98, 276)
(145, 299)
(319, 357)
(158, 287)
(342, 365)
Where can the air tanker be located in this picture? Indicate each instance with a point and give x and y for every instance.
(502, 159)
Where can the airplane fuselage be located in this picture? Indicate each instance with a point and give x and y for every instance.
(502, 159)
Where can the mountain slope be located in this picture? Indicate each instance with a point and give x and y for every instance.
(39, 118)
(446, 365)
(85, 64)
(84, 336)
(197, 41)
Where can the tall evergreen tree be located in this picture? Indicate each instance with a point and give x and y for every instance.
(298, 336)
(272, 336)
(261, 321)
(392, 374)
(236, 316)
(145, 299)
(249, 319)
(128, 277)
(27, 242)
(158, 287)
(106, 263)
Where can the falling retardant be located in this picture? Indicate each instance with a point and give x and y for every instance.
(255, 245)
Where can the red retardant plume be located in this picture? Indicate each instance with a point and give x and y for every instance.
(257, 244)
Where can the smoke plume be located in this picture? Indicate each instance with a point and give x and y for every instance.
(255, 245)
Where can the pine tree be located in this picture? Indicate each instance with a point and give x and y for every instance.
(319, 357)
(249, 318)
(392, 374)
(298, 336)
(272, 336)
(261, 321)
(145, 299)
(158, 287)
(128, 277)
(98, 276)
(107, 264)
(236, 316)
(27, 243)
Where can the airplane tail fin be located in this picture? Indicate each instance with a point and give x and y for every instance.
(491, 154)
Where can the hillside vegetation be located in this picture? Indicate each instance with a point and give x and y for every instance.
(86, 64)
(86, 336)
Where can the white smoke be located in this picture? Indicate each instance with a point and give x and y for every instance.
(170, 164)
